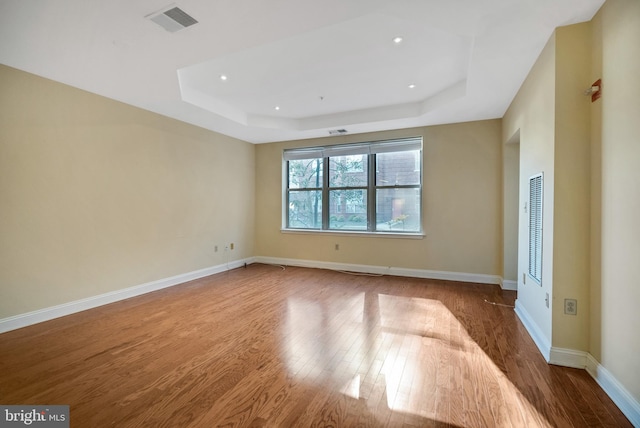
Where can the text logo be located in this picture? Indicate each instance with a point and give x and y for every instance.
(34, 416)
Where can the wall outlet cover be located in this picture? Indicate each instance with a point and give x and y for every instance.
(571, 306)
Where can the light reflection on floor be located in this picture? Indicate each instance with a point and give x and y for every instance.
(411, 354)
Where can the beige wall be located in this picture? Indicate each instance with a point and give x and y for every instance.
(98, 196)
(461, 202)
(590, 153)
(572, 185)
(552, 116)
(532, 115)
(619, 341)
(510, 207)
(596, 196)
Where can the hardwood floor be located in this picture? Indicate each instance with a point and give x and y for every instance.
(263, 346)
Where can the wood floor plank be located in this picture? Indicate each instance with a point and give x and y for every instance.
(264, 346)
(606, 413)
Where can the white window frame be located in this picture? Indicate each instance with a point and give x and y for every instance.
(370, 149)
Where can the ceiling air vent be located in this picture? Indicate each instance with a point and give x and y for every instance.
(172, 18)
(337, 131)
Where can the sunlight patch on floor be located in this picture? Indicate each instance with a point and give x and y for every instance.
(412, 353)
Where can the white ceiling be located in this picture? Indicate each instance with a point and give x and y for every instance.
(327, 64)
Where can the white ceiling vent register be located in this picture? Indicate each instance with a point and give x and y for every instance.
(172, 18)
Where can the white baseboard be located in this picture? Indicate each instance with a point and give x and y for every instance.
(46, 314)
(385, 270)
(541, 341)
(509, 285)
(583, 360)
(615, 390)
(568, 358)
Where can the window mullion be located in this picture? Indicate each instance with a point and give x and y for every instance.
(287, 197)
(400, 186)
(325, 193)
(371, 193)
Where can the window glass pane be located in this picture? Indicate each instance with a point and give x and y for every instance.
(398, 210)
(305, 209)
(398, 168)
(348, 171)
(305, 173)
(348, 209)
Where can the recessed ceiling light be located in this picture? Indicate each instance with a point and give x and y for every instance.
(277, 107)
(411, 86)
(397, 40)
(223, 77)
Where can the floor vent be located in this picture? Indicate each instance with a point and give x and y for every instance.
(172, 18)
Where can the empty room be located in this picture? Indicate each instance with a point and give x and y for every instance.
(328, 214)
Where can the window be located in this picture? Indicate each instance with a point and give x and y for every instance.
(366, 187)
(535, 227)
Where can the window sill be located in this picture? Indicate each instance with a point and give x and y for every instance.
(394, 235)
